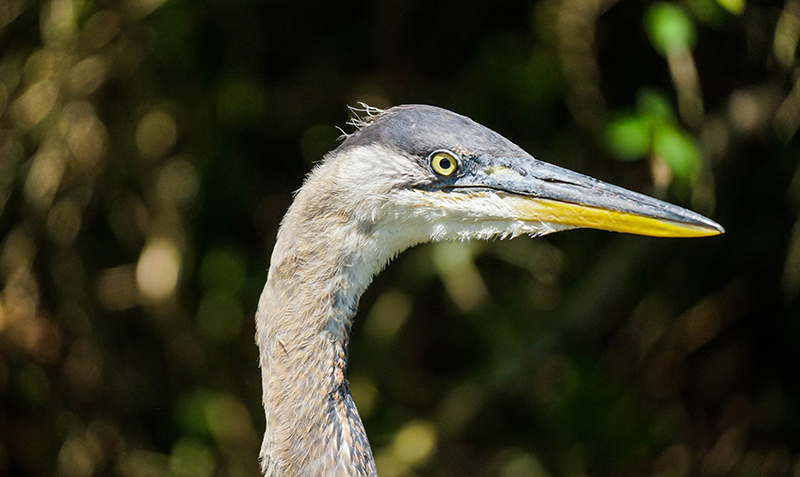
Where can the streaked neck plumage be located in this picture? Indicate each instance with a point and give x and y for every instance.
(318, 271)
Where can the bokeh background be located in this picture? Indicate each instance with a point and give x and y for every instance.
(148, 149)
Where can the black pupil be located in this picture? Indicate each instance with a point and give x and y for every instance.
(444, 163)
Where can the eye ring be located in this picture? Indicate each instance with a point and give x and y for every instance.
(443, 162)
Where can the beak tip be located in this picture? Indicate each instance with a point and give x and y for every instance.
(714, 227)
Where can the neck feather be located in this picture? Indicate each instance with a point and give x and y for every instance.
(318, 271)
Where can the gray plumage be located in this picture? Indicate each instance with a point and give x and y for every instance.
(374, 196)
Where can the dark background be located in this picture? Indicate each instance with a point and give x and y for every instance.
(149, 148)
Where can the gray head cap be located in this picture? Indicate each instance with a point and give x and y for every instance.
(421, 129)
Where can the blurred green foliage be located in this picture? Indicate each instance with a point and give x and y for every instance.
(669, 28)
(149, 148)
(652, 131)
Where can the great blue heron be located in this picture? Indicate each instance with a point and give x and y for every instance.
(408, 175)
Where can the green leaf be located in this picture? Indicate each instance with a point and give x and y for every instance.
(628, 137)
(708, 11)
(669, 28)
(654, 105)
(677, 150)
(733, 6)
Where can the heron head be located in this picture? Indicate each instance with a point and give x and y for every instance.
(430, 174)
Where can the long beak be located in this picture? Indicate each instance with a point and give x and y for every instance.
(539, 191)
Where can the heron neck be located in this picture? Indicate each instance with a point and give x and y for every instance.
(318, 271)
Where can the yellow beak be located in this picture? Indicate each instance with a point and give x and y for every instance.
(587, 216)
(542, 192)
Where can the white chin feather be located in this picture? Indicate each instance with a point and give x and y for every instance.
(457, 217)
(487, 230)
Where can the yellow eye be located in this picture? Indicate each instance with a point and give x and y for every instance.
(443, 163)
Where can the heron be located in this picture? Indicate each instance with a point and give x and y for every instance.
(407, 175)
